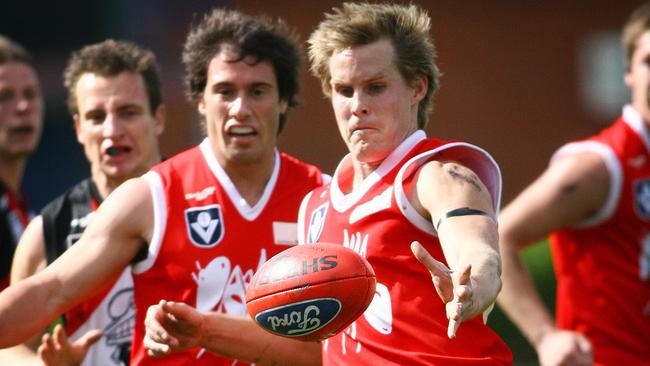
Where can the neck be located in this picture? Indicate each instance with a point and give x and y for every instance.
(11, 173)
(250, 179)
(361, 171)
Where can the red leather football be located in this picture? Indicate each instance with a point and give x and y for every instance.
(310, 292)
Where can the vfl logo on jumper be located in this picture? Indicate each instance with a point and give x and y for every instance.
(204, 225)
(119, 332)
(299, 318)
(222, 287)
(642, 198)
(316, 222)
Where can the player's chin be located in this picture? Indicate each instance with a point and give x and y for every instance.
(246, 154)
(122, 171)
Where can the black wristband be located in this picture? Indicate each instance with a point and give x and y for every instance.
(463, 211)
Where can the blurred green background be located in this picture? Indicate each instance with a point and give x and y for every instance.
(538, 260)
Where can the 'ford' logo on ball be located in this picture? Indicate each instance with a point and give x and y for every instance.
(299, 318)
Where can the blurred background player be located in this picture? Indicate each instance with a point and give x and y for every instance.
(116, 102)
(594, 201)
(21, 123)
(208, 217)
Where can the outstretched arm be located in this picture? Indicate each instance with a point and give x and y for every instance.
(118, 230)
(28, 260)
(469, 238)
(173, 327)
(569, 191)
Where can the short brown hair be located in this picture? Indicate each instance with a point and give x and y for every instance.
(358, 24)
(637, 24)
(260, 37)
(110, 58)
(11, 51)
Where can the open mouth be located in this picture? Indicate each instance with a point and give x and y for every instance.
(21, 131)
(115, 151)
(242, 131)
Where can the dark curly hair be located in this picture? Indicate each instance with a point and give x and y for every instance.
(110, 58)
(262, 38)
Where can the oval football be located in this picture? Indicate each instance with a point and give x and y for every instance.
(310, 292)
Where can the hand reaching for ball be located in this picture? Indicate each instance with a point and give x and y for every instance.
(453, 287)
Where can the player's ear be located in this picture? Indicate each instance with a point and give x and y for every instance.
(77, 127)
(159, 119)
(201, 106)
(419, 87)
(629, 79)
(284, 105)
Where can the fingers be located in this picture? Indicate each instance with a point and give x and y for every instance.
(440, 274)
(60, 338)
(157, 340)
(462, 302)
(46, 349)
(154, 348)
(454, 288)
(454, 321)
(90, 338)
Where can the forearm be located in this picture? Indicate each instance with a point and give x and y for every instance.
(25, 310)
(240, 338)
(485, 277)
(519, 298)
(474, 241)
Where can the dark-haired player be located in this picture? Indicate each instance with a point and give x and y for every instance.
(208, 217)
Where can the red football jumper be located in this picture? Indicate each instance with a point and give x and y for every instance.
(207, 241)
(406, 323)
(603, 265)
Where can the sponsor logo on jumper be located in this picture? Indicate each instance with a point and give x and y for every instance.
(286, 267)
(77, 227)
(222, 287)
(204, 225)
(316, 223)
(118, 333)
(201, 195)
(300, 318)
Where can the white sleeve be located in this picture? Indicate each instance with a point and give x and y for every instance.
(473, 157)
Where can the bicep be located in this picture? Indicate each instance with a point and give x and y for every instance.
(445, 186)
(568, 192)
(29, 257)
(442, 187)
